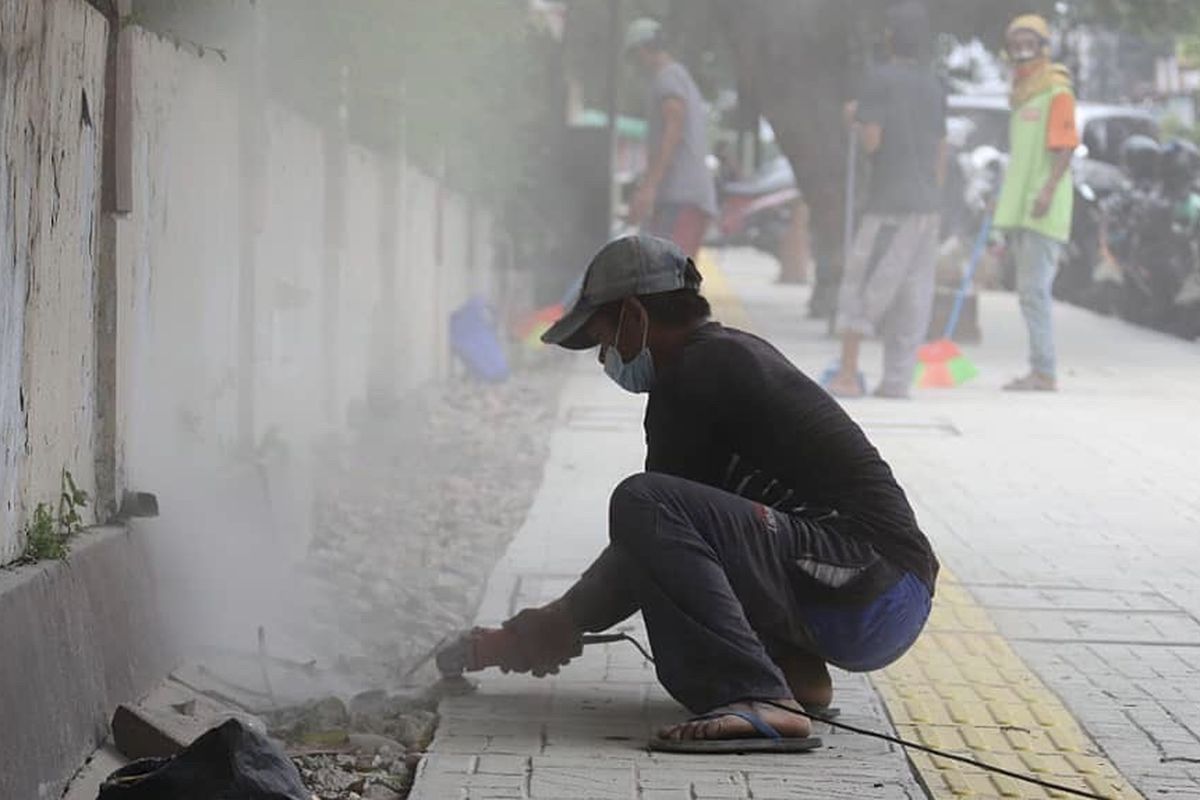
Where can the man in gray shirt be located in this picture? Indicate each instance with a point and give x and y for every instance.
(676, 196)
(888, 286)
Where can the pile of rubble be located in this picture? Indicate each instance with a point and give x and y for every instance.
(413, 513)
(366, 749)
(411, 516)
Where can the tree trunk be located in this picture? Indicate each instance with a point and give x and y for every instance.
(795, 251)
(796, 59)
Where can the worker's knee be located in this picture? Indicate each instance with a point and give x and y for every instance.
(632, 509)
(641, 489)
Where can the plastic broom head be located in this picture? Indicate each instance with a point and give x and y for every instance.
(961, 369)
(945, 374)
(938, 351)
(936, 375)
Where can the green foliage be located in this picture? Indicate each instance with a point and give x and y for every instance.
(1147, 17)
(453, 84)
(459, 86)
(47, 534)
(71, 501)
(985, 19)
(43, 539)
(1173, 127)
(988, 19)
(1188, 50)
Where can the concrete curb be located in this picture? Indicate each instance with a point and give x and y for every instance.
(79, 637)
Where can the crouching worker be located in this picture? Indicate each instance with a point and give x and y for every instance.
(766, 539)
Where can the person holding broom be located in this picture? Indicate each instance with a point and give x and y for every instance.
(900, 121)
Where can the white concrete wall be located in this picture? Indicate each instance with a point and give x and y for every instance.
(51, 105)
(359, 284)
(289, 282)
(177, 271)
(177, 255)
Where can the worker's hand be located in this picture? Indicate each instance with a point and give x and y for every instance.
(546, 639)
(641, 206)
(1041, 206)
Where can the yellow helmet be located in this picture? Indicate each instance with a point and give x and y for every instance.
(1030, 22)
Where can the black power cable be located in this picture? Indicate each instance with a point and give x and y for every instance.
(609, 638)
(939, 753)
(1058, 787)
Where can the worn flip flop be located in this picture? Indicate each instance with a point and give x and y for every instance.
(831, 372)
(768, 741)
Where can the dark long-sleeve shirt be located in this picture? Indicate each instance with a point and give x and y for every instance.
(733, 413)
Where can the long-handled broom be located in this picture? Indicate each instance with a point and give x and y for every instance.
(832, 370)
(941, 364)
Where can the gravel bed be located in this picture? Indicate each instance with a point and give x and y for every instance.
(412, 513)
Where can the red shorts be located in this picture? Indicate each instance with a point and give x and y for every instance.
(683, 225)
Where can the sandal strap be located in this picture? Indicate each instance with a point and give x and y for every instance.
(761, 726)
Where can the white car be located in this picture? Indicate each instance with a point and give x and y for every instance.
(977, 120)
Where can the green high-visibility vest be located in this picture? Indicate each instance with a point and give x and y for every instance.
(1029, 167)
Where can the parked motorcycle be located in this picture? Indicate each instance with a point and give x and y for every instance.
(1149, 266)
(1094, 182)
(757, 211)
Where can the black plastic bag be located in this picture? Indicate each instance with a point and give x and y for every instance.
(228, 762)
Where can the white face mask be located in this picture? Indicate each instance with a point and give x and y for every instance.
(1024, 54)
(1024, 51)
(637, 375)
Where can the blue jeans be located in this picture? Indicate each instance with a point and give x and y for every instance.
(1036, 257)
(870, 638)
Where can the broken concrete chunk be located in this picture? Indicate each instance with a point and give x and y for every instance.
(146, 733)
(416, 729)
(377, 791)
(374, 744)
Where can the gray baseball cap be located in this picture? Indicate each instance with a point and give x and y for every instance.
(631, 265)
(642, 31)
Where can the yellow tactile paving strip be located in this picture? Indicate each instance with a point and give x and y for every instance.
(726, 305)
(963, 689)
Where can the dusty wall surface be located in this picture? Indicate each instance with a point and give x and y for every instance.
(50, 128)
(375, 293)
(89, 636)
(177, 263)
(288, 290)
(178, 271)
(219, 251)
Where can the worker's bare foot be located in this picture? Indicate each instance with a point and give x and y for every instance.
(716, 725)
(808, 678)
(845, 384)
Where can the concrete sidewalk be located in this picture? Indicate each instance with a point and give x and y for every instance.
(1068, 526)
(1074, 518)
(583, 734)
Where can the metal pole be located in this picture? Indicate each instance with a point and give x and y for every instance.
(251, 146)
(851, 181)
(610, 98)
